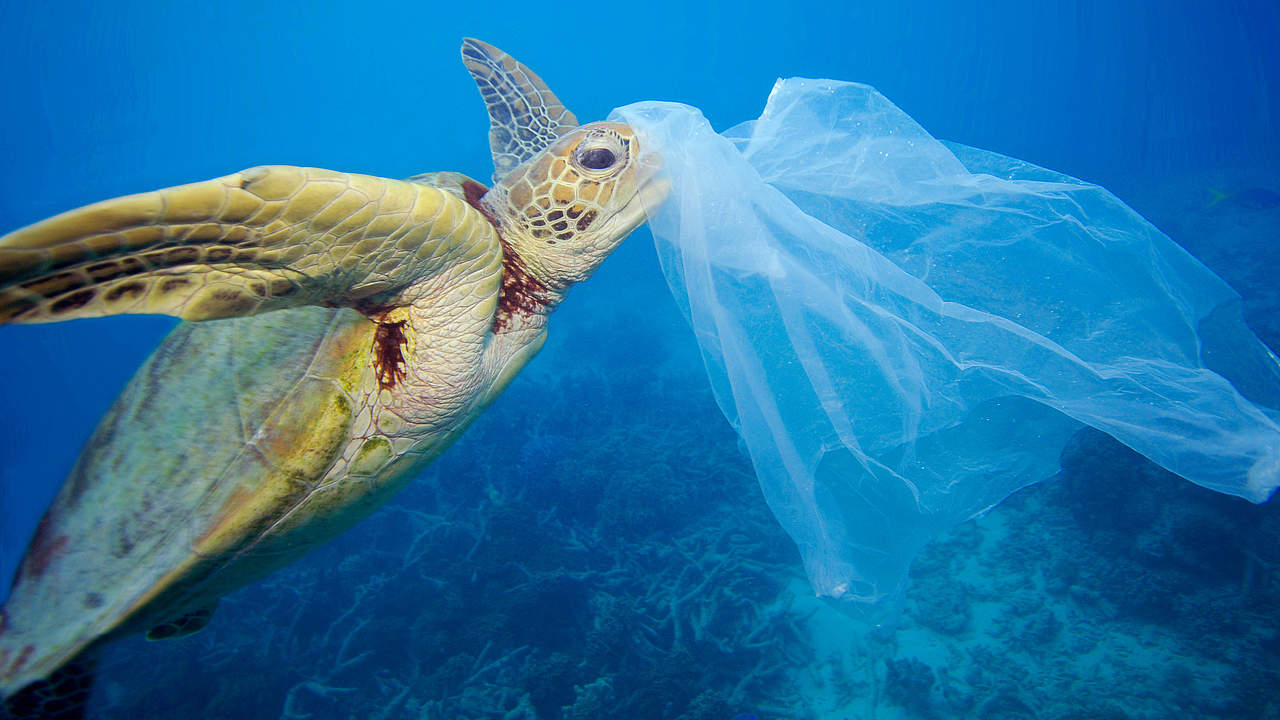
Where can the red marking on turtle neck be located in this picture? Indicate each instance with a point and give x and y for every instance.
(520, 291)
(474, 193)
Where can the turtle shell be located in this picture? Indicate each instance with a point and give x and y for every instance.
(184, 490)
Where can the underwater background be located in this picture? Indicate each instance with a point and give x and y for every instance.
(596, 544)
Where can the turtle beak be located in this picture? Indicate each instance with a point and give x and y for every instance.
(643, 204)
(652, 190)
(654, 187)
(654, 194)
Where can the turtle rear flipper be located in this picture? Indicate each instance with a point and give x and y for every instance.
(64, 695)
(180, 627)
(264, 239)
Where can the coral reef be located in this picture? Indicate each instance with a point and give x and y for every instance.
(596, 547)
(618, 572)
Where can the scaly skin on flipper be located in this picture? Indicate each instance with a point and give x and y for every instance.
(263, 239)
(237, 446)
(245, 441)
(61, 696)
(525, 116)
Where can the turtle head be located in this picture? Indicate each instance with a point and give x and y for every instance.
(570, 205)
(564, 195)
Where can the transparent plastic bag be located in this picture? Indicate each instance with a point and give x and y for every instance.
(904, 331)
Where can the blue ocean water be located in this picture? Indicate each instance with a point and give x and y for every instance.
(596, 546)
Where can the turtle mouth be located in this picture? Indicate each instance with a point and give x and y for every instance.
(651, 192)
(645, 203)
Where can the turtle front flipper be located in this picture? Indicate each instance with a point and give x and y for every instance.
(525, 117)
(263, 239)
(63, 695)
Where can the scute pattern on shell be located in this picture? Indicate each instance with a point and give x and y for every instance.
(362, 324)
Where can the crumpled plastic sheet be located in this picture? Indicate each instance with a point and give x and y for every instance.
(905, 331)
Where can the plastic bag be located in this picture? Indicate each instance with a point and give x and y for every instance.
(904, 332)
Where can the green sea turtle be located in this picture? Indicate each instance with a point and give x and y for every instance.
(357, 325)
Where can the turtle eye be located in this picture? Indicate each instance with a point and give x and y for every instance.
(600, 154)
(597, 158)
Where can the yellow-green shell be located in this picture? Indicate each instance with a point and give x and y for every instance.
(244, 442)
(277, 421)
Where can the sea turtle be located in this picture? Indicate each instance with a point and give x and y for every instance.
(357, 325)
